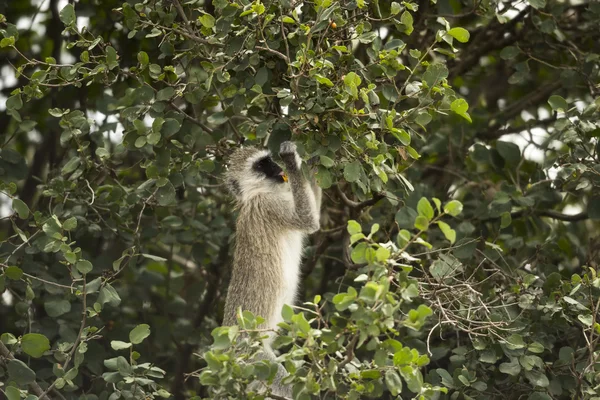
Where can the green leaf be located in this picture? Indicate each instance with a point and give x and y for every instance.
(111, 57)
(352, 171)
(445, 267)
(56, 308)
(119, 345)
(71, 165)
(509, 52)
(421, 223)
(164, 95)
(143, 58)
(354, 227)
(382, 254)
(510, 152)
(84, 266)
(512, 368)
(139, 333)
(21, 374)
(434, 74)
(558, 103)
(460, 34)
(218, 118)
(324, 178)
(402, 136)
(326, 161)
(393, 382)
(537, 378)
(515, 341)
(352, 81)
(166, 195)
(587, 320)
(70, 224)
(453, 207)
(448, 232)
(536, 347)
(67, 15)
(21, 208)
(367, 37)
(447, 379)
(8, 41)
(460, 107)
(14, 102)
(479, 386)
(405, 217)
(109, 295)
(395, 8)
(423, 118)
(505, 220)
(14, 273)
(35, 344)
(170, 127)
(287, 313)
(407, 20)
(537, 4)
(140, 142)
(438, 204)
(359, 253)
(424, 208)
(207, 20)
(323, 80)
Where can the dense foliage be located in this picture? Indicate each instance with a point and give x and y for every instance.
(457, 145)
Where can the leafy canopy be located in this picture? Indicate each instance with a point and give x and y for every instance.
(457, 146)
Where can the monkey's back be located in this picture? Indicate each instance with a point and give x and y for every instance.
(265, 272)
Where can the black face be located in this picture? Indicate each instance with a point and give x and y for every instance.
(269, 168)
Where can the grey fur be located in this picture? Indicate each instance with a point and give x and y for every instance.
(266, 213)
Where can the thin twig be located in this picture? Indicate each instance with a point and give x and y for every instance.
(277, 53)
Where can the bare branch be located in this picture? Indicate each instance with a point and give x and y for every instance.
(277, 53)
(552, 214)
(362, 204)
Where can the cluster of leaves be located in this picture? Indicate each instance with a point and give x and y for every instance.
(368, 315)
(456, 259)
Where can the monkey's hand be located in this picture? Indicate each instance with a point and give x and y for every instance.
(289, 155)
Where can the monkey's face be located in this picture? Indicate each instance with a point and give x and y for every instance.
(251, 172)
(267, 168)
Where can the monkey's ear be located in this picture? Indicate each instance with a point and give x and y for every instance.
(234, 187)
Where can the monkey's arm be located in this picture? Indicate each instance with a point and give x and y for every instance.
(304, 217)
(317, 193)
(316, 189)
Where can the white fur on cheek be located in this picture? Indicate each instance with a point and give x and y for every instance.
(253, 185)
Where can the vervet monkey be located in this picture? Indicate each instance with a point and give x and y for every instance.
(274, 219)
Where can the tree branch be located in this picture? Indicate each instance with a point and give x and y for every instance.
(181, 12)
(362, 204)
(515, 109)
(277, 53)
(349, 351)
(552, 214)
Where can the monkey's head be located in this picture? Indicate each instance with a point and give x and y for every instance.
(252, 171)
